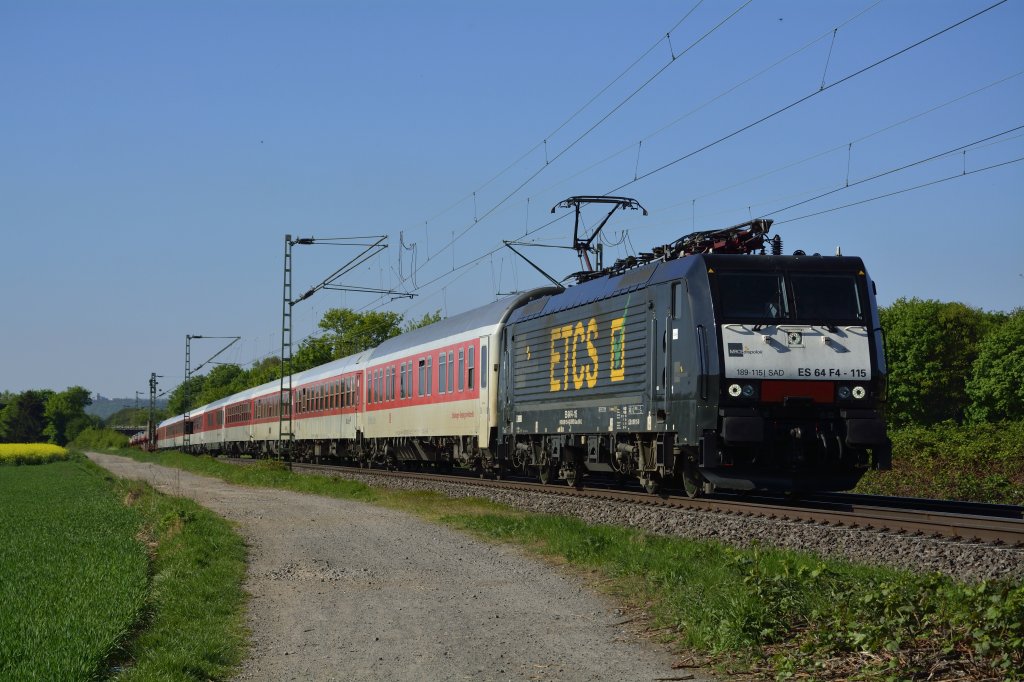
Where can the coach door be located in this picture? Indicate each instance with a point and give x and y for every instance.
(484, 405)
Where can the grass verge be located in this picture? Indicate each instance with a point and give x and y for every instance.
(772, 613)
(196, 626)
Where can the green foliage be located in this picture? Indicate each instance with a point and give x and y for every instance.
(996, 387)
(176, 399)
(131, 416)
(313, 352)
(74, 577)
(93, 438)
(349, 332)
(427, 319)
(65, 414)
(264, 371)
(930, 347)
(974, 462)
(23, 418)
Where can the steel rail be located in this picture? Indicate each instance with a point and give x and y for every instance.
(875, 517)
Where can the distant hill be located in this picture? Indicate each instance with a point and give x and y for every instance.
(104, 407)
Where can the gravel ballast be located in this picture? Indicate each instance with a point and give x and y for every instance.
(965, 561)
(343, 590)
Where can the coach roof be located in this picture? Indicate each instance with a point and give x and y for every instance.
(489, 315)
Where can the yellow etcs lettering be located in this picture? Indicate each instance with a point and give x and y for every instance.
(574, 359)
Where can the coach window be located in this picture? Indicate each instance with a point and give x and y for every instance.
(430, 376)
(469, 368)
(442, 368)
(483, 367)
(451, 372)
(391, 384)
(421, 376)
(462, 369)
(401, 382)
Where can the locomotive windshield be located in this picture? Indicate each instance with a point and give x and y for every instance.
(809, 297)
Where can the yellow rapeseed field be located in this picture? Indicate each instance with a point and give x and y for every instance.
(30, 453)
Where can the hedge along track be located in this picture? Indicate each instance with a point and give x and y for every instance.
(958, 523)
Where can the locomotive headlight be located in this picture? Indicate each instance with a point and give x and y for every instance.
(735, 390)
(748, 391)
(859, 392)
(844, 392)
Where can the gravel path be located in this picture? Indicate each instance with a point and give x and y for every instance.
(343, 590)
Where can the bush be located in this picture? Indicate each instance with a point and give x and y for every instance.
(973, 462)
(996, 388)
(100, 438)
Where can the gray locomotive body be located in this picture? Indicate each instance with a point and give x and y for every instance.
(727, 371)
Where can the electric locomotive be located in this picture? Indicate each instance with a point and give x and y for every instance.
(705, 362)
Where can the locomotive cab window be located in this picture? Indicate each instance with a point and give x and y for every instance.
(794, 296)
(752, 296)
(821, 296)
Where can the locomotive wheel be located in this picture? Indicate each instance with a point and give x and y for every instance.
(692, 485)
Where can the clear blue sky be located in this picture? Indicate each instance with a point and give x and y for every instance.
(154, 154)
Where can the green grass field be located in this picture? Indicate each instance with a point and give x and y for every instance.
(73, 578)
(106, 579)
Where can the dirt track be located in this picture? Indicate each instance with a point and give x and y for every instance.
(348, 591)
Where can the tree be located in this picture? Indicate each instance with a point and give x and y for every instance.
(996, 388)
(312, 352)
(176, 399)
(930, 347)
(220, 382)
(427, 319)
(350, 332)
(23, 418)
(266, 370)
(63, 409)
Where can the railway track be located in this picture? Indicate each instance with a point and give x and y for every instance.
(1001, 525)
